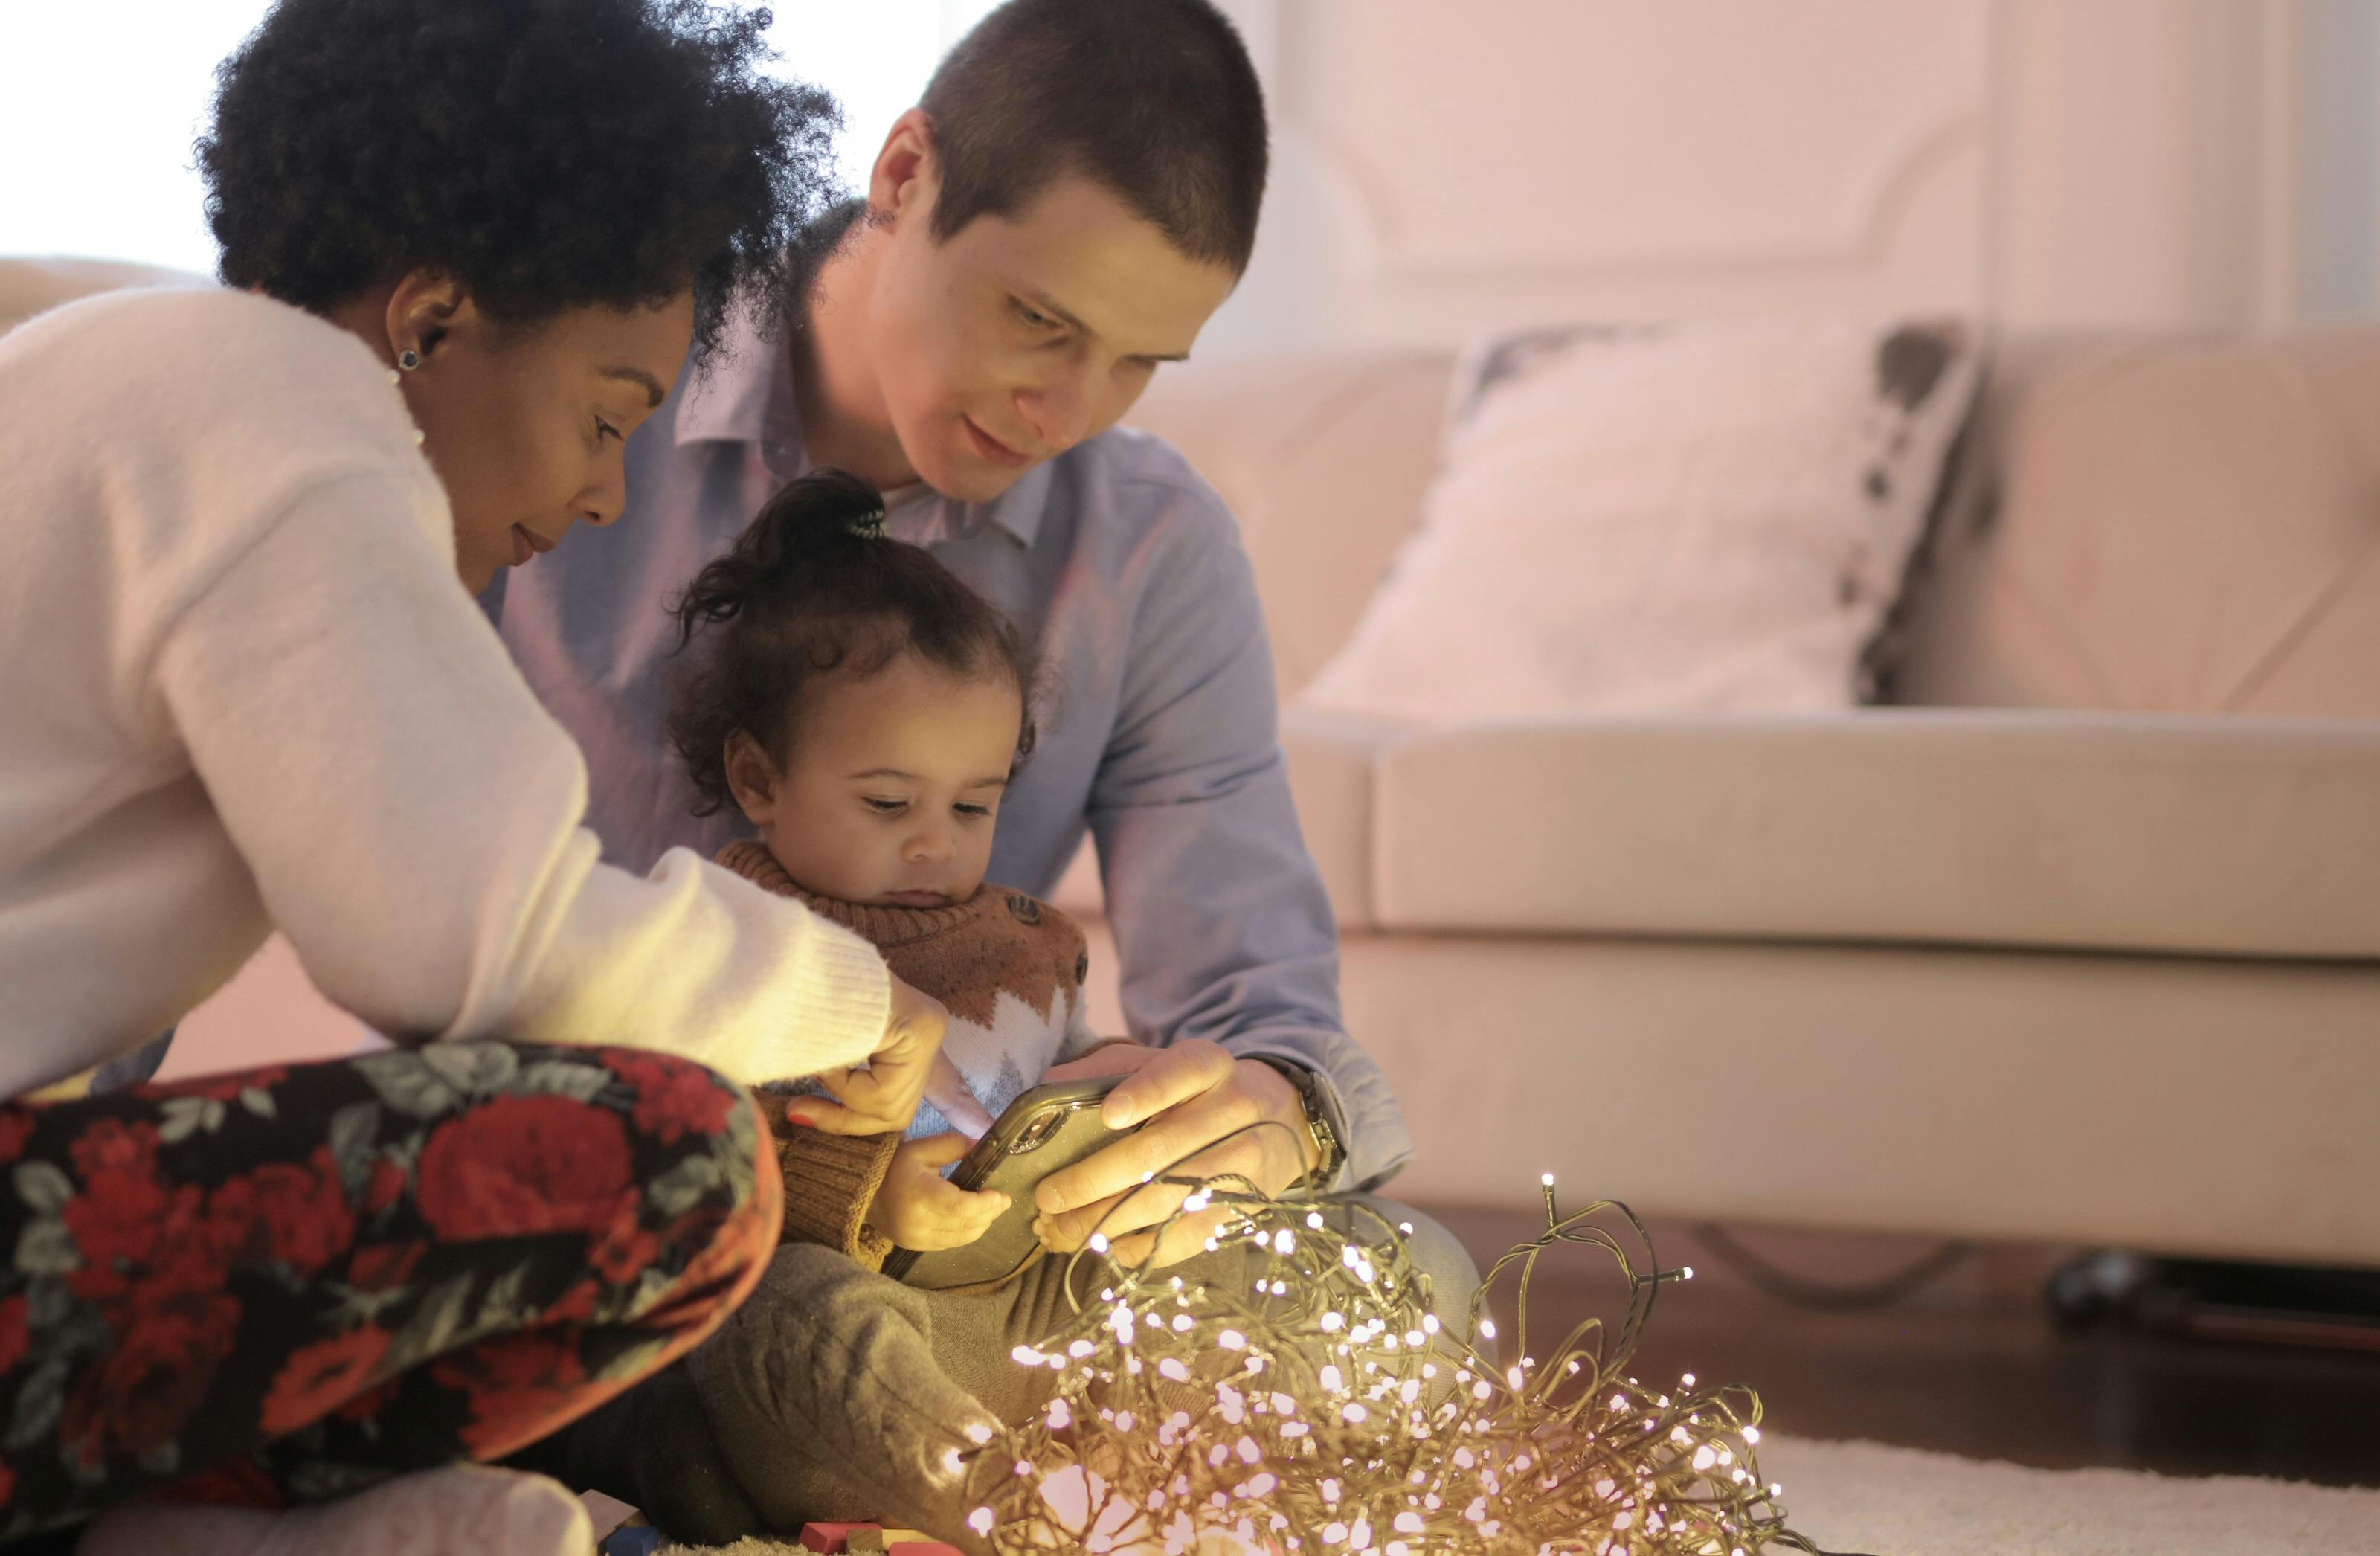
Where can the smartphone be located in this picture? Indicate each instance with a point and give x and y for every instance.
(1046, 1129)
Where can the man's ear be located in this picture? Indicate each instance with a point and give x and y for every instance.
(752, 778)
(909, 171)
(426, 309)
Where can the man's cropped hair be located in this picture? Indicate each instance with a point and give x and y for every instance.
(1153, 99)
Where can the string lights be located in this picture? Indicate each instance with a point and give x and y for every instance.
(1321, 1408)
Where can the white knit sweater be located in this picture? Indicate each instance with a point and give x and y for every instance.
(241, 687)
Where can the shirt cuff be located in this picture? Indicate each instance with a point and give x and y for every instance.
(1334, 1109)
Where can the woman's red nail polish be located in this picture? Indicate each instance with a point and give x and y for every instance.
(801, 1122)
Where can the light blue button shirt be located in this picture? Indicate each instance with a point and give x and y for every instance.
(1159, 732)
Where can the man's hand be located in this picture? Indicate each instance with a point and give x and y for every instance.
(917, 1208)
(880, 1097)
(1193, 1095)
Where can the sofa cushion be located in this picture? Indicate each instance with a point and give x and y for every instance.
(1323, 459)
(2181, 526)
(35, 286)
(2235, 836)
(1687, 518)
(1330, 758)
(1331, 774)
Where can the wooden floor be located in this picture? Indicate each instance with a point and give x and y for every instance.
(1971, 1364)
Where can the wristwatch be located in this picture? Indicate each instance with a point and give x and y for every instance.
(1329, 1154)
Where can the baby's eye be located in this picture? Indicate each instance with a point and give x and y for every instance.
(975, 810)
(885, 806)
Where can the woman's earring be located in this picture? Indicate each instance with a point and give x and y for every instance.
(409, 359)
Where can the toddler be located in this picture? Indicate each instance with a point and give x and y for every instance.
(864, 710)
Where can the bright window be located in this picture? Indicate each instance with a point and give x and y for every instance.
(96, 126)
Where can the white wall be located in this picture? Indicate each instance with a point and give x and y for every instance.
(1444, 168)
(96, 140)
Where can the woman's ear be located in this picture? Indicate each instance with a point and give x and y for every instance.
(424, 310)
(753, 779)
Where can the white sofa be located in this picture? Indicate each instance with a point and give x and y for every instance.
(2089, 949)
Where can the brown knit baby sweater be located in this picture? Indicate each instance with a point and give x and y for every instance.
(1009, 970)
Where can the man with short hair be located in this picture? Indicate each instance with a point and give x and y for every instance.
(1074, 195)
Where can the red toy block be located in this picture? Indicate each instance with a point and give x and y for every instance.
(831, 1538)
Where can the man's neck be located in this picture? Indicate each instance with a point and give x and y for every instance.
(844, 420)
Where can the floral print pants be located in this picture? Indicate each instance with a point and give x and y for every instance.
(284, 1284)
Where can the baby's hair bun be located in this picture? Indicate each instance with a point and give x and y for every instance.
(814, 586)
(801, 527)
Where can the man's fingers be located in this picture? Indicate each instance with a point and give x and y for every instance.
(1190, 1141)
(1108, 1059)
(1119, 1215)
(1133, 1229)
(1065, 1234)
(1170, 1076)
(1176, 1241)
(1156, 1147)
(1185, 1238)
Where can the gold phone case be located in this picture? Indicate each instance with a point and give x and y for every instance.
(1046, 1130)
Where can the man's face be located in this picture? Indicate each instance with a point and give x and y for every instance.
(1021, 336)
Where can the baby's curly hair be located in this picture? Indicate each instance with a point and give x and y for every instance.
(814, 586)
(550, 154)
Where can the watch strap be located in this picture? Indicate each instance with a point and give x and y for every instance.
(1330, 1154)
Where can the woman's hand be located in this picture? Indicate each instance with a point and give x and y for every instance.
(917, 1208)
(880, 1097)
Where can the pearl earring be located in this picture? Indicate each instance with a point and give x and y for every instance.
(409, 359)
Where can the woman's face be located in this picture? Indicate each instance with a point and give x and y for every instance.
(526, 425)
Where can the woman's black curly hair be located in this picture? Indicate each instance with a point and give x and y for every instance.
(813, 585)
(550, 154)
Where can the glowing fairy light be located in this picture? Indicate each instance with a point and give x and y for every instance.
(1318, 1403)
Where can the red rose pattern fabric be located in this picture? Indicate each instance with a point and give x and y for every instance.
(288, 1283)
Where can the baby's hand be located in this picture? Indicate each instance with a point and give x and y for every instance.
(917, 1208)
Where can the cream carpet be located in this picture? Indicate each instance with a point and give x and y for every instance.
(1897, 1502)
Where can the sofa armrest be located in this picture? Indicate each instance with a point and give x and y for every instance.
(1334, 763)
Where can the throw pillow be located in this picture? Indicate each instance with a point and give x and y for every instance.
(1707, 518)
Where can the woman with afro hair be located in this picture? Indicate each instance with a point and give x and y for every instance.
(244, 685)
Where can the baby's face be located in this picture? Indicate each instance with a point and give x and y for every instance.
(893, 784)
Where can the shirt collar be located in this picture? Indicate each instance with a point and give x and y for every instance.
(747, 395)
(728, 399)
